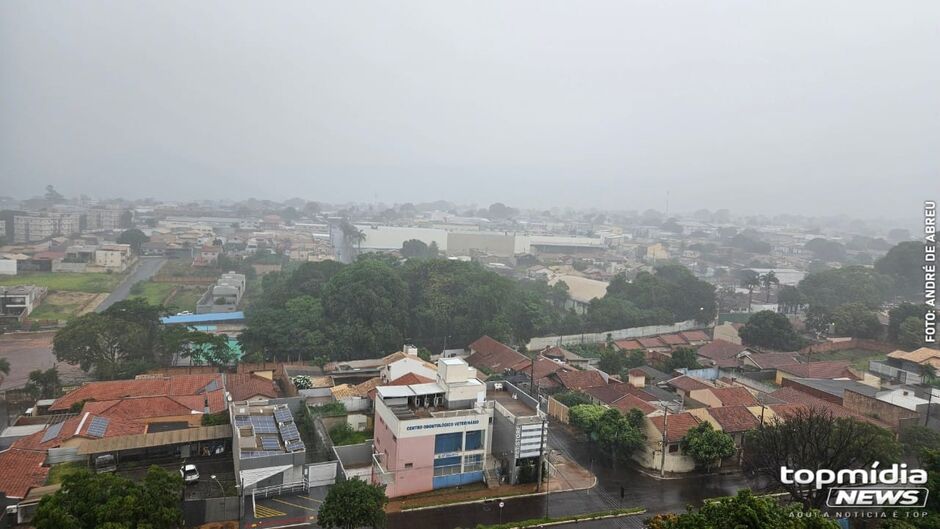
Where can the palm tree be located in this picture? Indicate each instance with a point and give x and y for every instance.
(769, 279)
(4, 369)
(750, 283)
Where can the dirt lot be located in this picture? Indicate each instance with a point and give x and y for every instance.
(63, 305)
(29, 351)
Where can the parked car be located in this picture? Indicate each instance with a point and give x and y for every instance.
(105, 463)
(189, 473)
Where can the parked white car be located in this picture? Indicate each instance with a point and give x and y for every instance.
(189, 473)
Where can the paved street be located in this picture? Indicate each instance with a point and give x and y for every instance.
(147, 267)
(640, 490)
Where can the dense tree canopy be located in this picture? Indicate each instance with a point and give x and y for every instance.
(857, 321)
(850, 284)
(770, 330)
(620, 434)
(904, 264)
(96, 501)
(128, 338)
(134, 238)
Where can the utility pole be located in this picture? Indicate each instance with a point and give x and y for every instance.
(538, 487)
(662, 466)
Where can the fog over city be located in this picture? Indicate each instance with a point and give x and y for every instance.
(797, 107)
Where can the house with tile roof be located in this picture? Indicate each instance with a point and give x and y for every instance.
(720, 353)
(915, 360)
(579, 380)
(662, 450)
(834, 369)
(685, 384)
(142, 386)
(490, 356)
(22, 471)
(718, 397)
(630, 402)
(249, 387)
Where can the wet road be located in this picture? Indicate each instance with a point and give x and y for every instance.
(640, 490)
(147, 267)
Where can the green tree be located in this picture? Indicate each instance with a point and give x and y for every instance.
(904, 263)
(790, 298)
(109, 346)
(683, 358)
(915, 439)
(43, 384)
(585, 417)
(611, 361)
(818, 319)
(856, 320)
(367, 307)
(572, 398)
(750, 280)
(133, 237)
(707, 446)
(814, 439)
(771, 330)
(744, 510)
(903, 311)
(768, 281)
(352, 504)
(108, 501)
(414, 248)
(209, 349)
(911, 334)
(849, 284)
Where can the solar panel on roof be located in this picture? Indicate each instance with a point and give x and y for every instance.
(294, 446)
(264, 424)
(98, 427)
(270, 443)
(289, 431)
(283, 415)
(242, 420)
(52, 432)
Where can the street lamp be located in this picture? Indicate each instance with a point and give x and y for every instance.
(221, 488)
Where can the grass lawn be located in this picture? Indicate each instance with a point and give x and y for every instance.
(186, 298)
(62, 305)
(86, 282)
(153, 292)
(58, 472)
(858, 357)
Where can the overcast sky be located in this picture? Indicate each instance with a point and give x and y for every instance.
(815, 107)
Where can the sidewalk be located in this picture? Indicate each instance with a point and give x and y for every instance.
(565, 476)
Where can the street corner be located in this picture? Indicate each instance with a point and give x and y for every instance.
(283, 511)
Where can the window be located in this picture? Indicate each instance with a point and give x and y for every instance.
(446, 466)
(673, 448)
(473, 463)
(448, 442)
(409, 465)
(474, 440)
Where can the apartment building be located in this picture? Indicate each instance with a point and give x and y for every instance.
(33, 228)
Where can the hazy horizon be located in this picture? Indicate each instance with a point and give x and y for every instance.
(803, 108)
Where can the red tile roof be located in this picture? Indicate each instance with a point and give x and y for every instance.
(22, 470)
(580, 379)
(695, 336)
(734, 418)
(651, 343)
(673, 339)
(244, 386)
(545, 367)
(678, 424)
(78, 427)
(609, 393)
(637, 372)
(141, 387)
(495, 357)
(629, 402)
(720, 350)
(409, 378)
(735, 396)
(687, 383)
(628, 345)
(830, 370)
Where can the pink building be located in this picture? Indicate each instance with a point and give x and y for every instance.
(432, 435)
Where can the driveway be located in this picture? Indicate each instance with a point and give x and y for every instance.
(146, 268)
(640, 490)
(284, 511)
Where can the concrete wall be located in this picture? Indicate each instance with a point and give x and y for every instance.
(854, 343)
(198, 512)
(601, 337)
(557, 410)
(7, 267)
(321, 474)
(499, 244)
(872, 407)
(61, 266)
